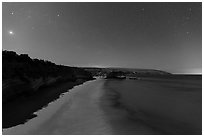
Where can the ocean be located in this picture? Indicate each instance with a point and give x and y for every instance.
(170, 105)
(149, 106)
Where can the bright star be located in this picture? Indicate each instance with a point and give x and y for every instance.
(11, 32)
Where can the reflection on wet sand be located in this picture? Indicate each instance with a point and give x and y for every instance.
(105, 107)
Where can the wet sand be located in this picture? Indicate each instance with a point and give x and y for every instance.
(86, 109)
(171, 106)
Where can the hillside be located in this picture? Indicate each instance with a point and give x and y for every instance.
(22, 75)
(127, 72)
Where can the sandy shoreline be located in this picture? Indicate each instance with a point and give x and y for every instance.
(121, 116)
(114, 107)
(86, 110)
(20, 110)
(69, 115)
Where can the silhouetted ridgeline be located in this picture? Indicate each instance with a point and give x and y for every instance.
(127, 72)
(23, 75)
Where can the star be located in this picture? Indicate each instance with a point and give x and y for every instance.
(11, 32)
(12, 13)
(187, 32)
(142, 9)
(58, 15)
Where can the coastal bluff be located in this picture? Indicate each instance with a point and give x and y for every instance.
(23, 76)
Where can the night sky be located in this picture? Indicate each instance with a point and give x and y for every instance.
(165, 36)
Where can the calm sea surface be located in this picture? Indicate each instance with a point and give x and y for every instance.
(172, 106)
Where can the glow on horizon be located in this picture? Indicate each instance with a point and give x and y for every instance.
(97, 66)
(190, 71)
(69, 34)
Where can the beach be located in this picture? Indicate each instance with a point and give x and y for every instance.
(21, 109)
(119, 107)
(82, 110)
